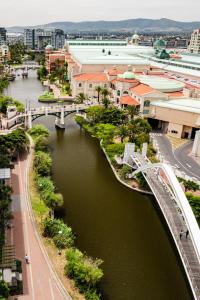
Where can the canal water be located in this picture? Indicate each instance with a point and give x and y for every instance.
(122, 227)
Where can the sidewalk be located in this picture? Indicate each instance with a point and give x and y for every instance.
(39, 280)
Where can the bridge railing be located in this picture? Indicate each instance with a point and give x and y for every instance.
(176, 234)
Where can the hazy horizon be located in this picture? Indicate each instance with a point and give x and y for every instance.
(38, 12)
(24, 25)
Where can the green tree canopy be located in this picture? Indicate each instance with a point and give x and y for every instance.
(105, 132)
(43, 163)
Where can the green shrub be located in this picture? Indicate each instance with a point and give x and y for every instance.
(115, 149)
(105, 132)
(125, 170)
(43, 163)
(53, 200)
(4, 290)
(45, 186)
(91, 295)
(142, 181)
(80, 120)
(60, 232)
(195, 204)
(84, 270)
(38, 130)
(19, 265)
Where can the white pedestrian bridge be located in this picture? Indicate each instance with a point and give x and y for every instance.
(59, 111)
(175, 208)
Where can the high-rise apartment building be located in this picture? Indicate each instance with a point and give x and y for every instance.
(59, 39)
(40, 38)
(194, 46)
(2, 36)
(29, 38)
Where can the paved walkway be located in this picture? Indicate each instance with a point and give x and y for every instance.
(179, 158)
(40, 281)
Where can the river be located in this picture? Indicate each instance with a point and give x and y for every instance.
(122, 227)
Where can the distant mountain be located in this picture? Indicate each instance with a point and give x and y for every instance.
(141, 25)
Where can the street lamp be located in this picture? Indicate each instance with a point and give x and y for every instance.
(59, 249)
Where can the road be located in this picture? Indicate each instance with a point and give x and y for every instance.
(39, 279)
(179, 158)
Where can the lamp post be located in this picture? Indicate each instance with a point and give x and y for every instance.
(59, 249)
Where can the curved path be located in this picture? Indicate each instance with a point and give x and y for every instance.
(40, 280)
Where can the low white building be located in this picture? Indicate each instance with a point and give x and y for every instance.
(87, 83)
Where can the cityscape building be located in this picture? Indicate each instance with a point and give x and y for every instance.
(3, 38)
(38, 39)
(194, 46)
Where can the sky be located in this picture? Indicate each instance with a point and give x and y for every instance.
(36, 12)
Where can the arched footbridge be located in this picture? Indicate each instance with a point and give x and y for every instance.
(60, 112)
(175, 208)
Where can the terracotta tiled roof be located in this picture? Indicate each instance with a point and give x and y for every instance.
(94, 77)
(114, 72)
(127, 80)
(128, 100)
(175, 94)
(142, 89)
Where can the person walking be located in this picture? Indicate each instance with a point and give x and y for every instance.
(26, 259)
(186, 233)
(180, 234)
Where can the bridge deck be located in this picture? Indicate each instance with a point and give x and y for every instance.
(176, 223)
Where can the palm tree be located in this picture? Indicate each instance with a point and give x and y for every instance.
(105, 102)
(80, 98)
(132, 111)
(138, 129)
(123, 132)
(98, 89)
(105, 92)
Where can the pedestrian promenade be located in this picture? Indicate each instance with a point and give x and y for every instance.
(39, 280)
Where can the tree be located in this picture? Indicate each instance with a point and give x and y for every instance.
(3, 84)
(138, 131)
(113, 116)
(42, 72)
(60, 232)
(53, 201)
(123, 132)
(4, 290)
(94, 114)
(132, 111)
(80, 98)
(105, 102)
(190, 185)
(105, 92)
(98, 89)
(38, 130)
(142, 181)
(5, 211)
(105, 132)
(195, 204)
(43, 163)
(17, 52)
(84, 270)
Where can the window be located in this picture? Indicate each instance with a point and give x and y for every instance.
(125, 92)
(118, 93)
(80, 85)
(105, 85)
(174, 131)
(147, 103)
(90, 85)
